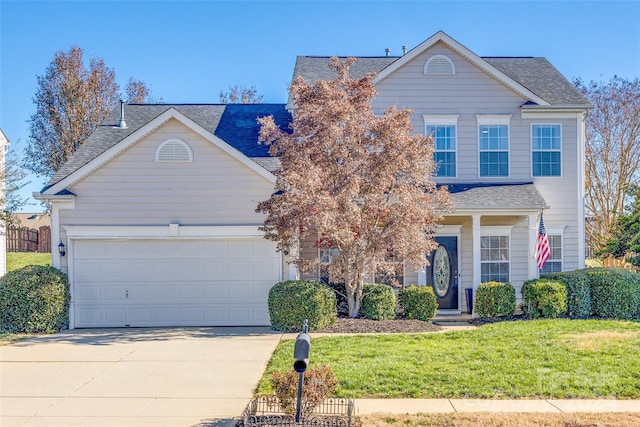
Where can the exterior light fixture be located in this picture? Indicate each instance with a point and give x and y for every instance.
(61, 249)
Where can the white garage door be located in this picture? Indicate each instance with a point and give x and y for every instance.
(215, 282)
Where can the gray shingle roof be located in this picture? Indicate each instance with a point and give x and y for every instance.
(479, 196)
(541, 78)
(236, 124)
(314, 68)
(535, 74)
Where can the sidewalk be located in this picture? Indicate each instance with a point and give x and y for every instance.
(414, 406)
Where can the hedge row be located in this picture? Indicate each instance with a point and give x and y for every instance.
(294, 301)
(600, 292)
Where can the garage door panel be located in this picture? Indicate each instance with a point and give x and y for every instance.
(114, 315)
(216, 292)
(108, 270)
(173, 282)
(239, 248)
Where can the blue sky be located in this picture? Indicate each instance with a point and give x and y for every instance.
(187, 52)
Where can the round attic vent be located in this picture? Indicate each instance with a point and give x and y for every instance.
(174, 150)
(439, 65)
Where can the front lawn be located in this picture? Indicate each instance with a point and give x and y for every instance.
(526, 359)
(16, 260)
(468, 419)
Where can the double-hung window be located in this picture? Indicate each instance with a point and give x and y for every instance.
(493, 144)
(442, 128)
(495, 254)
(554, 263)
(546, 149)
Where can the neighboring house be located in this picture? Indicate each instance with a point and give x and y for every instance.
(157, 215)
(32, 220)
(4, 146)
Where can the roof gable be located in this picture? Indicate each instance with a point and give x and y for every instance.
(469, 56)
(533, 78)
(106, 142)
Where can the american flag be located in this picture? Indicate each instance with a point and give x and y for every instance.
(543, 252)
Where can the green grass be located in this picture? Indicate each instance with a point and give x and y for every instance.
(557, 358)
(16, 260)
(9, 338)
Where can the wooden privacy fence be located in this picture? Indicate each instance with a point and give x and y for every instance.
(24, 239)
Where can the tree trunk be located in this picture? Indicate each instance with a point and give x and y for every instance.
(354, 296)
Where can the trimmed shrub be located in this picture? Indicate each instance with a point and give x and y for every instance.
(378, 302)
(319, 383)
(34, 299)
(495, 299)
(291, 302)
(418, 302)
(544, 298)
(615, 293)
(578, 292)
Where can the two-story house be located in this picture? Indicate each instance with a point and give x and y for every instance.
(154, 216)
(509, 141)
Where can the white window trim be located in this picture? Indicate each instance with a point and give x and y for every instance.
(443, 120)
(173, 141)
(557, 231)
(494, 119)
(560, 150)
(498, 231)
(439, 56)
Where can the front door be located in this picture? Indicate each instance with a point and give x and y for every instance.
(442, 272)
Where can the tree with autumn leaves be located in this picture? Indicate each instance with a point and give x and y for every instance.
(71, 101)
(361, 181)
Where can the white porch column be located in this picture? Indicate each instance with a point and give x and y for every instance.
(533, 237)
(475, 243)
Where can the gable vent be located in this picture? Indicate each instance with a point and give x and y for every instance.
(439, 65)
(174, 150)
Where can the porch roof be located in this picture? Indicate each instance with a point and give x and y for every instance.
(481, 196)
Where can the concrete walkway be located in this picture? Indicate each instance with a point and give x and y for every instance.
(414, 406)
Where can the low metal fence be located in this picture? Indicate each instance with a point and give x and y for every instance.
(265, 411)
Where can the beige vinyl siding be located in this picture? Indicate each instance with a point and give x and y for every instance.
(134, 189)
(561, 193)
(468, 92)
(472, 92)
(215, 189)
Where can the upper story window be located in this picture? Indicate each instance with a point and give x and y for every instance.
(439, 65)
(493, 144)
(443, 130)
(174, 151)
(546, 149)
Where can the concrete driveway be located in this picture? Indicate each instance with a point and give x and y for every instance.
(133, 377)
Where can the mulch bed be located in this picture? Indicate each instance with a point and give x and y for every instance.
(347, 325)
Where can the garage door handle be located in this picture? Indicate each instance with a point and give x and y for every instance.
(126, 294)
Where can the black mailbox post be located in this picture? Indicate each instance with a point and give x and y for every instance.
(301, 362)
